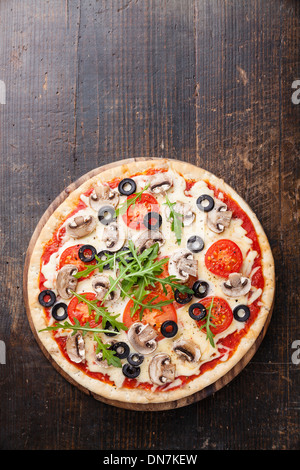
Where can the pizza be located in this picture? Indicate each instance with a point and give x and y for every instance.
(148, 282)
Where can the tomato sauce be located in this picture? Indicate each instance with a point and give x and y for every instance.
(229, 343)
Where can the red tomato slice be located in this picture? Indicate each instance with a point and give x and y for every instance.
(223, 258)
(70, 256)
(136, 212)
(79, 310)
(153, 316)
(221, 314)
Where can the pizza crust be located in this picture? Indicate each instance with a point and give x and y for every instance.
(53, 217)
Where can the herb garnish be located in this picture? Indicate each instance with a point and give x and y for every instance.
(138, 272)
(77, 327)
(130, 201)
(208, 324)
(176, 220)
(101, 311)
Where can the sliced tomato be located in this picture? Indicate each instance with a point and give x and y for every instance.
(154, 317)
(221, 314)
(78, 309)
(223, 258)
(136, 212)
(70, 256)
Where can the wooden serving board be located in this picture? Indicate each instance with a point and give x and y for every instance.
(200, 395)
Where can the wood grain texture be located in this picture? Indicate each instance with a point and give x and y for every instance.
(90, 82)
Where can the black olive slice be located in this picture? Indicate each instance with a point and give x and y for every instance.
(205, 203)
(106, 215)
(197, 311)
(127, 187)
(169, 328)
(182, 298)
(152, 220)
(121, 349)
(241, 313)
(135, 359)
(102, 255)
(87, 253)
(200, 289)
(44, 294)
(195, 244)
(109, 327)
(57, 309)
(130, 371)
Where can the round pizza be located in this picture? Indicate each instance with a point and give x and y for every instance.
(149, 281)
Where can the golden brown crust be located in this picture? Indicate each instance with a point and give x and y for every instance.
(53, 217)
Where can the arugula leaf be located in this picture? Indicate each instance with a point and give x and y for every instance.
(91, 267)
(176, 220)
(129, 202)
(135, 278)
(77, 327)
(101, 312)
(208, 324)
(107, 354)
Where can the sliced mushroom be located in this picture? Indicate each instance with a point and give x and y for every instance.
(113, 237)
(103, 195)
(236, 285)
(185, 210)
(187, 350)
(219, 217)
(161, 370)
(142, 338)
(182, 265)
(81, 226)
(75, 347)
(160, 183)
(147, 239)
(101, 285)
(65, 281)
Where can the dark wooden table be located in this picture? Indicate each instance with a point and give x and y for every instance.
(205, 81)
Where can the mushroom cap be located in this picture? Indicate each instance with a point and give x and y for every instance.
(103, 195)
(160, 183)
(219, 217)
(75, 347)
(185, 210)
(65, 281)
(101, 285)
(81, 226)
(187, 350)
(182, 265)
(236, 285)
(142, 338)
(147, 239)
(113, 237)
(161, 370)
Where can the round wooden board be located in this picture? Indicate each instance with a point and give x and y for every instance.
(195, 397)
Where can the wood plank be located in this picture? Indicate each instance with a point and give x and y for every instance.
(91, 82)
